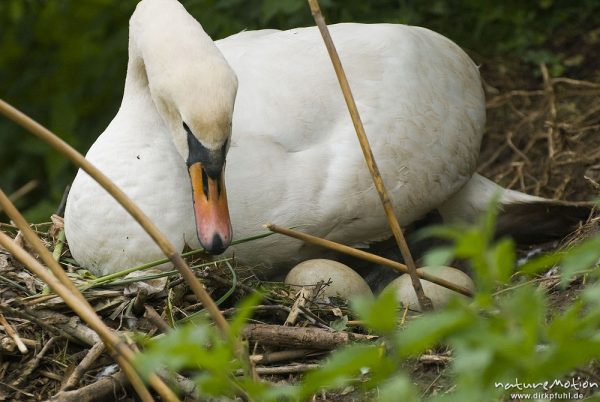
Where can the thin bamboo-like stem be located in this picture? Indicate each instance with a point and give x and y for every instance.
(35, 242)
(122, 354)
(317, 241)
(108, 337)
(165, 245)
(368, 153)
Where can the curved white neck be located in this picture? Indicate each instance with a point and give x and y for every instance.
(176, 65)
(161, 33)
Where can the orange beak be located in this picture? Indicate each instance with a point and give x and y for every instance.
(210, 208)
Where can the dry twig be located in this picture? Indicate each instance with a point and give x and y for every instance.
(33, 363)
(10, 331)
(83, 366)
(366, 256)
(279, 370)
(283, 355)
(424, 301)
(305, 338)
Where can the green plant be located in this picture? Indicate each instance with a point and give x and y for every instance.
(498, 342)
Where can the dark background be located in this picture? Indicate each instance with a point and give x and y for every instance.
(63, 61)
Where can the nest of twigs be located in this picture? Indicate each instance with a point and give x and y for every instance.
(542, 138)
(49, 353)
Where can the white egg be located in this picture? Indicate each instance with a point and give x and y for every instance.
(439, 295)
(345, 282)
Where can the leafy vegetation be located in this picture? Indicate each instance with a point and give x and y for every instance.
(498, 343)
(63, 61)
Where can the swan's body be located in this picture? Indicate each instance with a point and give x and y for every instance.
(294, 159)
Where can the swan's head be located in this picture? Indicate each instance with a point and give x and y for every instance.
(196, 101)
(193, 88)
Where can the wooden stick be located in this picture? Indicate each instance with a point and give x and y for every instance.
(122, 354)
(370, 159)
(165, 245)
(37, 245)
(24, 190)
(93, 353)
(300, 337)
(50, 375)
(101, 390)
(10, 331)
(435, 359)
(155, 318)
(84, 309)
(317, 241)
(33, 363)
(274, 357)
(104, 389)
(291, 369)
(303, 296)
(40, 318)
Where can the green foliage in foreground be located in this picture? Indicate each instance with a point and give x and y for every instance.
(497, 341)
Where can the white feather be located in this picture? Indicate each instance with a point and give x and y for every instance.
(294, 159)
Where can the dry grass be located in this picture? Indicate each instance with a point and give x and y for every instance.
(546, 140)
(543, 137)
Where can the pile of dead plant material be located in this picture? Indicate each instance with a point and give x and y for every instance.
(48, 353)
(543, 137)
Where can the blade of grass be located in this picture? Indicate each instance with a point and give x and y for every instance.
(191, 317)
(124, 272)
(15, 285)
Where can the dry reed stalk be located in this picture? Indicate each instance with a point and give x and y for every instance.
(12, 333)
(123, 355)
(108, 337)
(424, 301)
(35, 242)
(24, 190)
(317, 241)
(168, 249)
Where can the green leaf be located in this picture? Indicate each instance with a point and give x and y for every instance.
(398, 388)
(245, 310)
(380, 314)
(471, 243)
(542, 262)
(581, 257)
(340, 324)
(439, 256)
(343, 366)
(431, 329)
(180, 348)
(591, 295)
(502, 259)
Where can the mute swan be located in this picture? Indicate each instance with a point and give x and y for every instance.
(293, 158)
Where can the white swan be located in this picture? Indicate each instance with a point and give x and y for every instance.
(293, 157)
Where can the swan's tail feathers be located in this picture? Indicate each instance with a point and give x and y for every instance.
(528, 219)
(540, 221)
